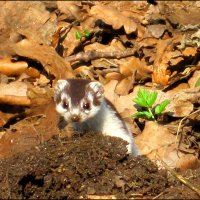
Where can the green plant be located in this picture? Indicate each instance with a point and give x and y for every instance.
(145, 100)
(79, 34)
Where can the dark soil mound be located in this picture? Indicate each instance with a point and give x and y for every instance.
(79, 166)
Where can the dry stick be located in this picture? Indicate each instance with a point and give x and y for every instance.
(93, 54)
(158, 195)
(179, 177)
(179, 126)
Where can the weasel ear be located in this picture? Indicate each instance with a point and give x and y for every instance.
(96, 89)
(60, 85)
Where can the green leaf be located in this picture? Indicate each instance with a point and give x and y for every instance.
(161, 107)
(78, 35)
(152, 98)
(143, 94)
(143, 114)
(145, 98)
(87, 34)
(197, 84)
(140, 102)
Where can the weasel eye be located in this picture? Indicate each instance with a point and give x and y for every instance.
(86, 106)
(65, 105)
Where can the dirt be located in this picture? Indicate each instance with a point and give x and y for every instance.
(83, 165)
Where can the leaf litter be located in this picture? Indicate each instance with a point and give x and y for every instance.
(124, 45)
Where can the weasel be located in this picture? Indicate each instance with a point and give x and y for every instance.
(82, 103)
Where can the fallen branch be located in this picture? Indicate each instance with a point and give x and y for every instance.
(92, 55)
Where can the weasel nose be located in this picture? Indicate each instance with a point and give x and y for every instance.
(75, 118)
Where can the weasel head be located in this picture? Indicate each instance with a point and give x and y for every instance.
(78, 100)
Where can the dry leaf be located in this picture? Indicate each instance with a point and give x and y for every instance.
(160, 74)
(114, 46)
(161, 62)
(156, 140)
(72, 9)
(112, 16)
(14, 93)
(109, 91)
(113, 76)
(30, 19)
(157, 30)
(10, 68)
(40, 95)
(187, 161)
(154, 137)
(47, 56)
(192, 81)
(180, 87)
(70, 42)
(40, 126)
(126, 102)
(175, 13)
(5, 117)
(190, 51)
(131, 65)
(84, 71)
(124, 86)
(181, 103)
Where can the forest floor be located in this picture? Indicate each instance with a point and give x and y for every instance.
(125, 45)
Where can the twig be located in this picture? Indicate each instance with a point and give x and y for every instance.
(180, 123)
(158, 195)
(93, 54)
(179, 177)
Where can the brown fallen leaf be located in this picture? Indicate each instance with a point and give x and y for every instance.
(109, 91)
(30, 19)
(154, 137)
(131, 65)
(47, 56)
(112, 16)
(70, 42)
(10, 68)
(113, 76)
(157, 30)
(181, 103)
(192, 81)
(124, 86)
(14, 93)
(84, 71)
(160, 73)
(190, 51)
(72, 9)
(5, 117)
(157, 140)
(40, 95)
(126, 102)
(113, 46)
(175, 13)
(39, 126)
(187, 161)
